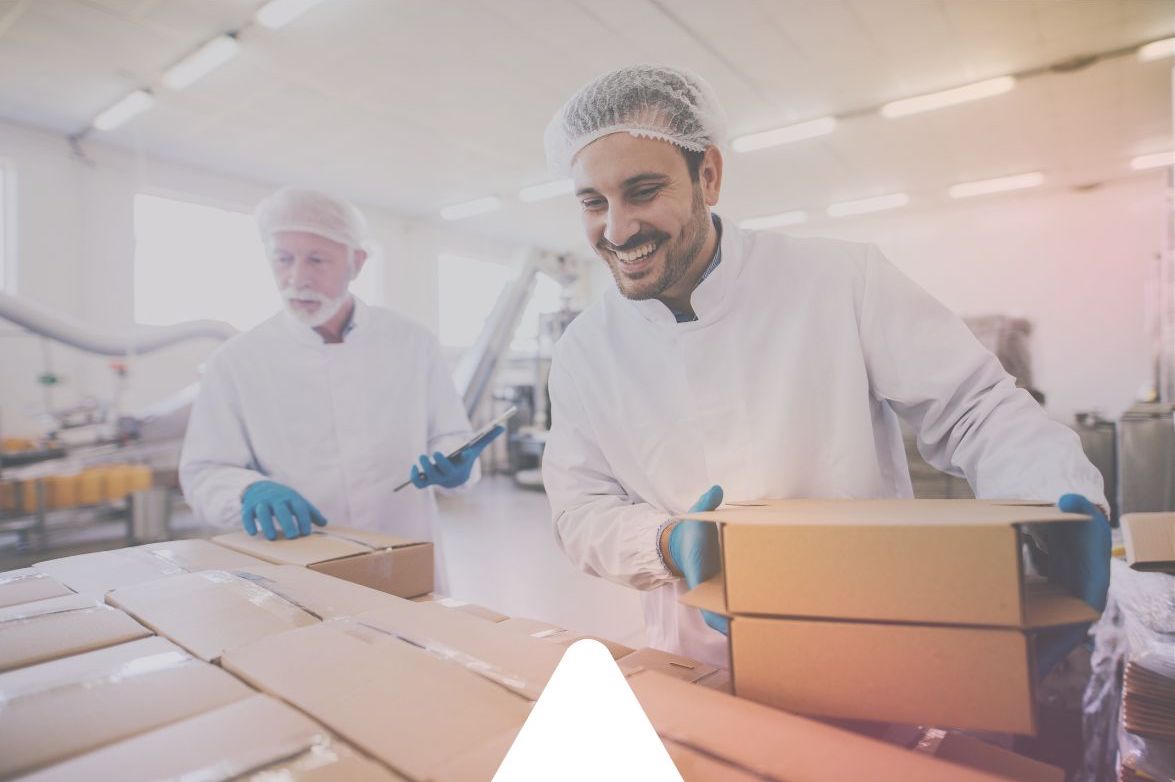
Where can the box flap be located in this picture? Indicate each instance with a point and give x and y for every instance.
(322, 545)
(60, 626)
(253, 735)
(777, 745)
(558, 635)
(973, 753)
(1150, 541)
(121, 683)
(517, 662)
(709, 596)
(389, 698)
(28, 584)
(888, 512)
(101, 571)
(1049, 605)
(489, 614)
(674, 665)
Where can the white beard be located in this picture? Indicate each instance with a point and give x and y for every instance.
(327, 309)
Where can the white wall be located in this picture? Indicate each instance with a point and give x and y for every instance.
(1076, 264)
(75, 254)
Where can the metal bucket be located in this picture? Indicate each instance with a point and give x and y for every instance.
(151, 515)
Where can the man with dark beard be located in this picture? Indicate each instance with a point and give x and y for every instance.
(774, 366)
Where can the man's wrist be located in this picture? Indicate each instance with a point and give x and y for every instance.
(663, 545)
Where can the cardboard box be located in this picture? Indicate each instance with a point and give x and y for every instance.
(770, 744)
(102, 571)
(1150, 541)
(212, 611)
(390, 564)
(480, 612)
(922, 561)
(392, 700)
(678, 667)
(911, 611)
(549, 632)
(58, 709)
(514, 661)
(255, 735)
(47, 629)
(971, 752)
(27, 585)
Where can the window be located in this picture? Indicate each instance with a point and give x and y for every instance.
(194, 261)
(468, 290)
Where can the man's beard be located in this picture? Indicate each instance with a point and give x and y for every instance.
(679, 253)
(327, 309)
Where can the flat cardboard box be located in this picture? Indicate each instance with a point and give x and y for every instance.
(971, 752)
(555, 634)
(481, 612)
(390, 564)
(255, 735)
(47, 629)
(649, 659)
(770, 744)
(514, 661)
(1150, 541)
(394, 701)
(63, 708)
(28, 585)
(920, 561)
(101, 571)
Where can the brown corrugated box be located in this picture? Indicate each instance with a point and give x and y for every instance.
(212, 611)
(396, 702)
(648, 659)
(971, 752)
(481, 612)
(47, 629)
(555, 634)
(770, 744)
(256, 735)
(388, 563)
(28, 585)
(912, 611)
(517, 662)
(58, 709)
(101, 571)
(1150, 541)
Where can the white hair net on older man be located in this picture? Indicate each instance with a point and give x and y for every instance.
(311, 211)
(645, 100)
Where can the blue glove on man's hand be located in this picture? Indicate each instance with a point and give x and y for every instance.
(1078, 559)
(265, 500)
(693, 547)
(451, 473)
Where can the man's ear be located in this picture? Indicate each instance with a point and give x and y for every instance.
(710, 175)
(357, 266)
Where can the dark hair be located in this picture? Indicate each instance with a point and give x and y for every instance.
(693, 161)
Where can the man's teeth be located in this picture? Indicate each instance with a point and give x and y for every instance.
(637, 254)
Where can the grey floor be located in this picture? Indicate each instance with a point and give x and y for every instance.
(497, 543)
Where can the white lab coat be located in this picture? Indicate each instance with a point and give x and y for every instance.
(342, 423)
(789, 384)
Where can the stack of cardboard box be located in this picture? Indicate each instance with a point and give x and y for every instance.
(907, 611)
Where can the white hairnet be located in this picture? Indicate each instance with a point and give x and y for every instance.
(644, 100)
(311, 211)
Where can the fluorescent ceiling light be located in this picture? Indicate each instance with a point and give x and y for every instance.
(278, 13)
(999, 185)
(1157, 50)
(937, 100)
(546, 190)
(135, 103)
(1155, 160)
(201, 62)
(868, 205)
(785, 135)
(470, 208)
(774, 221)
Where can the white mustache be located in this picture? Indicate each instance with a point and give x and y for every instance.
(305, 294)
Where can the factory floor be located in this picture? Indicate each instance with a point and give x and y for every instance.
(497, 543)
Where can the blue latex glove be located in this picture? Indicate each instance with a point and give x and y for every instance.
(451, 473)
(1078, 559)
(264, 501)
(693, 547)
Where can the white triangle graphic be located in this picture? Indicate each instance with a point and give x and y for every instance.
(587, 725)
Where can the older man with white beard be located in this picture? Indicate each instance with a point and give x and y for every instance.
(316, 414)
